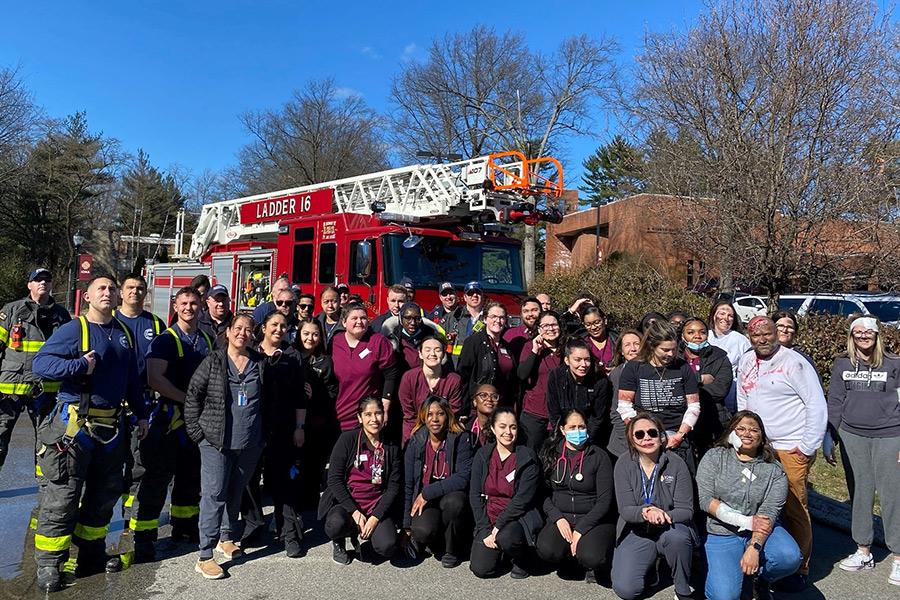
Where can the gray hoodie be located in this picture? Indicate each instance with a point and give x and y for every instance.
(863, 400)
(754, 487)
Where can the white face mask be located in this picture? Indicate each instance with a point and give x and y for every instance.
(734, 440)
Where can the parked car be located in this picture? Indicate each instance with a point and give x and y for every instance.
(748, 307)
(885, 307)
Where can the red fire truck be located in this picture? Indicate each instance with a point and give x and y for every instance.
(430, 223)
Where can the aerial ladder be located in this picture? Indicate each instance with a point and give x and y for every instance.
(503, 187)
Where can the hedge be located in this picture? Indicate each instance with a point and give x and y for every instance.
(628, 288)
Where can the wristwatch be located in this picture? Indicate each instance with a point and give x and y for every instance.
(757, 546)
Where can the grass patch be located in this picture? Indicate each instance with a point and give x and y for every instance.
(830, 481)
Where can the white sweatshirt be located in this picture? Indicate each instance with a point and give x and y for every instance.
(784, 390)
(735, 344)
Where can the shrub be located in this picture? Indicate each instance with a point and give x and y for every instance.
(627, 289)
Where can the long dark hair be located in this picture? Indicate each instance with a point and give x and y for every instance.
(489, 436)
(563, 338)
(552, 448)
(318, 350)
(765, 448)
(736, 325)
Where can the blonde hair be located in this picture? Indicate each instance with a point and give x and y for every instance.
(877, 352)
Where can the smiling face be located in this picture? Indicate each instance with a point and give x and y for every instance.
(217, 306)
(505, 429)
(187, 307)
(274, 329)
(530, 313)
(595, 325)
(436, 419)
(750, 433)
(356, 322)
(764, 338)
(579, 362)
(448, 299)
(863, 338)
(549, 328)
(485, 399)
(310, 336)
(372, 418)
(432, 353)
(631, 346)
(786, 331)
(240, 332)
(495, 320)
(723, 319)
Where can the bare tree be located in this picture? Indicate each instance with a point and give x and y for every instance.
(321, 134)
(19, 118)
(772, 119)
(480, 92)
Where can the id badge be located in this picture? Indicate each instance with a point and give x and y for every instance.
(242, 398)
(376, 474)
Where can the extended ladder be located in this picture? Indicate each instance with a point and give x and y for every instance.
(456, 190)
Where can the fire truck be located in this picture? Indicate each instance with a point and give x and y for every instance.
(428, 222)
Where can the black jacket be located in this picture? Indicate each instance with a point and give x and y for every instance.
(584, 503)
(208, 394)
(213, 329)
(522, 506)
(478, 365)
(714, 361)
(285, 393)
(592, 396)
(342, 457)
(328, 336)
(459, 460)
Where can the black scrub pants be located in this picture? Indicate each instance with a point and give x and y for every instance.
(535, 430)
(443, 524)
(594, 548)
(339, 525)
(511, 542)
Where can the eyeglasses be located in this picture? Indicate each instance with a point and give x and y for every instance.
(785, 328)
(549, 326)
(864, 335)
(411, 317)
(593, 324)
(487, 396)
(495, 318)
(284, 303)
(651, 433)
(745, 430)
(305, 306)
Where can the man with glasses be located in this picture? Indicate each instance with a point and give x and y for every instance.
(521, 334)
(306, 306)
(283, 283)
(784, 390)
(286, 302)
(447, 304)
(215, 319)
(465, 320)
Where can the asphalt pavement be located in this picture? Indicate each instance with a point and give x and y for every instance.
(267, 573)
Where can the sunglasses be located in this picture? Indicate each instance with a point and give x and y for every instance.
(305, 306)
(650, 433)
(284, 303)
(448, 293)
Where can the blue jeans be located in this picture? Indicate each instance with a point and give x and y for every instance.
(779, 558)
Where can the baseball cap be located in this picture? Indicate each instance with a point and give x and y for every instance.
(473, 286)
(39, 272)
(407, 283)
(342, 288)
(446, 286)
(216, 290)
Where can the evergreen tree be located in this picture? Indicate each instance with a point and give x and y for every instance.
(614, 171)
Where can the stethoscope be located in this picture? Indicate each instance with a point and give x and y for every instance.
(565, 465)
(434, 461)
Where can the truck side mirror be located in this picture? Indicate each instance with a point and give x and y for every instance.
(364, 259)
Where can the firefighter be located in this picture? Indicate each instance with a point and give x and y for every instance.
(24, 327)
(464, 320)
(167, 451)
(215, 319)
(83, 443)
(144, 327)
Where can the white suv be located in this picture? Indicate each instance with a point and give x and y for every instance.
(748, 307)
(885, 307)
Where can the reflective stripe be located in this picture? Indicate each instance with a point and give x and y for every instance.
(86, 532)
(52, 544)
(180, 348)
(145, 525)
(457, 349)
(4, 335)
(69, 565)
(184, 512)
(86, 338)
(32, 524)
(157, 324)
(127, 500)
(38, 471)
(16, 388)
(51, 386)
(31, 345)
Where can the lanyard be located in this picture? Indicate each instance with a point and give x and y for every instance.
(648, 485)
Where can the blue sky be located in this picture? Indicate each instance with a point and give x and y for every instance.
(172, 77)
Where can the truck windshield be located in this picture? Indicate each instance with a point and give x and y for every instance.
(497, 265)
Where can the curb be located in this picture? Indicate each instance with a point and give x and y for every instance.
(836, 515)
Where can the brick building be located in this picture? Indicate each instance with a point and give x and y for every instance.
(644, 225)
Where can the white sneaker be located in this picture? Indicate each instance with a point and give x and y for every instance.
(859, 562)
(894, 577)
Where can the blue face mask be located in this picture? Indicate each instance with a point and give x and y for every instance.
(577, 437)
(697, 347)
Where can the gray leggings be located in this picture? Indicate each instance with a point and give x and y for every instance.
(875, 467)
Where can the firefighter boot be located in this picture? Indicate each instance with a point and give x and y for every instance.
(49, 579)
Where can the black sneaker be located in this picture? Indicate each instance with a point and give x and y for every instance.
(49, 579)
(761, 589)
(518, 572)
(114, 564)
(292, 548)
(449, 561)
(339, 553)
(792, 584)
(590, 577)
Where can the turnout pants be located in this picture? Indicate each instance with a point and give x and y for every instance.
(10, 409)
(83, 483)
(162, 455)
(443, 524)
